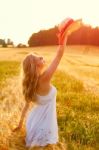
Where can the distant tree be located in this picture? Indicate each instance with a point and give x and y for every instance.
(86, 35)
(9, 42)
(44, 37)
(3, 43)
(95, 36)
(20, 45)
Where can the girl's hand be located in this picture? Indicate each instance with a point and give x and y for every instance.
(17, 128)
(22, 116)
(63, 32)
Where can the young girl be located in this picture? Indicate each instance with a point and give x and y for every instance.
(41, 123)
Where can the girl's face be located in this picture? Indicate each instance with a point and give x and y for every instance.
(40, 62)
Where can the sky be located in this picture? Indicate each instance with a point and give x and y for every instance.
(19, 19)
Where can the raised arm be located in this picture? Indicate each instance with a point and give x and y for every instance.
(22, 116)
(47, 75)
(65, 28)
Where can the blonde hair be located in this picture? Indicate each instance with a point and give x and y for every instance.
(30, 78)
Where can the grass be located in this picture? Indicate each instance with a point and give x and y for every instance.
(77, 112)
(77, 107)
(8, 69)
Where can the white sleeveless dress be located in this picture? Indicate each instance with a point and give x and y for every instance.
(41, 123)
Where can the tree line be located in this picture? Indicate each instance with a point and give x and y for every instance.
(5, 43)
(10, 43)
(86, 35)
(44, 37)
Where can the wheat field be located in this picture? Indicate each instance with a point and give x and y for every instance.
(77, 82)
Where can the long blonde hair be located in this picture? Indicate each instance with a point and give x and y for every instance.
(30, 78)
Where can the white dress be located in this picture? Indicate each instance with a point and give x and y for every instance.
(41, 123)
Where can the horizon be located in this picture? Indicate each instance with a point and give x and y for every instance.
(20, 19)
